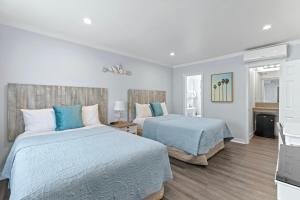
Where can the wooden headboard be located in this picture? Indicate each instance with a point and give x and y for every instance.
(23, 96)
(143, 97)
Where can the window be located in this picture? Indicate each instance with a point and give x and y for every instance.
(193, 95)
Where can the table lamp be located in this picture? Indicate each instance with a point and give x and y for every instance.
(119, 107)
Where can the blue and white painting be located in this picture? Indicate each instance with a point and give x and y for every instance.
(222, 87)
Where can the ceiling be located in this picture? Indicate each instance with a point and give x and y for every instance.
(150, 29)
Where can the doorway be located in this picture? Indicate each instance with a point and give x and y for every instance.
(263, 94)
(193, 97)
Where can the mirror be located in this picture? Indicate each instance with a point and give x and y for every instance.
(267, 86)
(270, 90)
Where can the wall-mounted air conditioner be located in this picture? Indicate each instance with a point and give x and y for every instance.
(266, 53)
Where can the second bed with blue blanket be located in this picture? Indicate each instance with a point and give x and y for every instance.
(97, 163)
(192, 135)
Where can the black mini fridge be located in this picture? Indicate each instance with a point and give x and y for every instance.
(265, 125)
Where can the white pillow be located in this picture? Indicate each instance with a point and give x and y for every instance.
(164, 108)
(39, 120)
(143, 110)
(90, 115)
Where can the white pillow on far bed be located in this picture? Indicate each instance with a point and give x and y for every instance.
(39, 120)
(90, 115)
(143, 110)
(164, 108)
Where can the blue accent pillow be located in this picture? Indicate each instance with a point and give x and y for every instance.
(68, 117)
(152, 111)
(157, 110)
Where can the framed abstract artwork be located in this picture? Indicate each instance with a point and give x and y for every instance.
(222, 87)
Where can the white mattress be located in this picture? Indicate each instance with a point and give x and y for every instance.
(31, 134)
(140, 121)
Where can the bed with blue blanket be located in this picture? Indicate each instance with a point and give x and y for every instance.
(190, 139)
(88, 163)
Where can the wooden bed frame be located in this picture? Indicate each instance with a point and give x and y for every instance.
(196, 160)
(157, 195)
(26, 96)
(4, 192)
(148, 96)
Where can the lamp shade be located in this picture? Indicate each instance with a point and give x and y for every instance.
(119, 106)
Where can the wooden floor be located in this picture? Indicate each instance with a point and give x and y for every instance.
(4, 193)
(240, 172)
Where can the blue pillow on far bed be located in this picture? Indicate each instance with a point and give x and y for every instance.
(156, 108)
(68, 117)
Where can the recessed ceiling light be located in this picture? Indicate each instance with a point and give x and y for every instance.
(172, 54)
(267, 27)
(87, 20)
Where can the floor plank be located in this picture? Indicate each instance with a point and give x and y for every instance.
(4, 193)
(239, 172)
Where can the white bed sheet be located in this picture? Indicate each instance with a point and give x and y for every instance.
(32, 134)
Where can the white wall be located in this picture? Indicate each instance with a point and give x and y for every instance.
(27, 57)
(235, 113)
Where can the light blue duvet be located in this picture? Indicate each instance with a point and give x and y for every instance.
(194, 135)
(98, 163)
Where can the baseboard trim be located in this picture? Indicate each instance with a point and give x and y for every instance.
(240, 141)
(251, 136)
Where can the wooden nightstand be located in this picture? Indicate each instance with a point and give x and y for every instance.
(125, 126)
